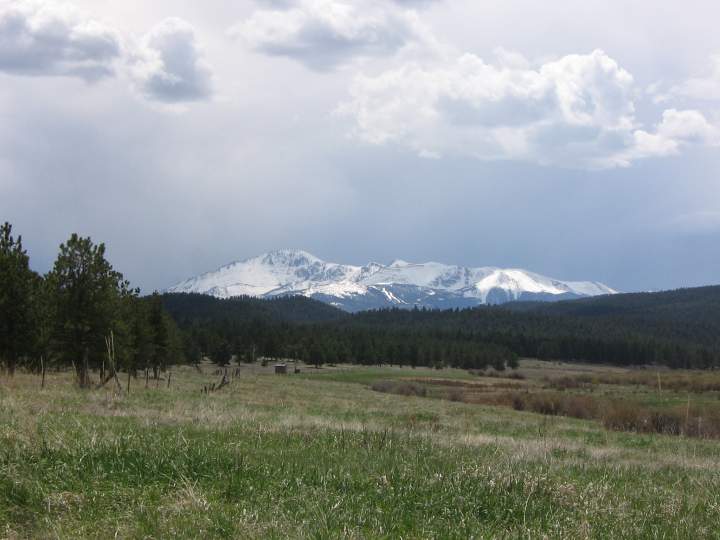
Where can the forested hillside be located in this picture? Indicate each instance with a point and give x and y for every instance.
(676, 329)
(691, 315)
(309, 330)
(296, 309)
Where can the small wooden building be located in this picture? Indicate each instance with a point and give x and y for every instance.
(280, 369)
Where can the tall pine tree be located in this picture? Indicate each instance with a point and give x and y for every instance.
(85, 293)
(16, 305)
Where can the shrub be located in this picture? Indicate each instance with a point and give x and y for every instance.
(623, 417)
(518, 402)
(554, 404)
(497, 374)
(577, 406)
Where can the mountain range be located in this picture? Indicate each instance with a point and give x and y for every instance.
(400, 284)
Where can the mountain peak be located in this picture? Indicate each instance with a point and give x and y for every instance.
(293, 257)
(400, 284)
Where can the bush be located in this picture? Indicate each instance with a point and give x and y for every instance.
(497, 374)
(554, 404)
(518, 402)
(690, 423)
(623, 417)
(583, 407)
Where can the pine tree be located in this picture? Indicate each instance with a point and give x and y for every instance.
(222, 354)
(85, 294)
(159, 329)
(16, 300)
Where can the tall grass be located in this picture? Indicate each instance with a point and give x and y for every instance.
(695, 382)
(280, 457)
(614, 413)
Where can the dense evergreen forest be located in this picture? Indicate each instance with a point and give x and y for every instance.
(84, 315)
(679, 329)
(305, 329)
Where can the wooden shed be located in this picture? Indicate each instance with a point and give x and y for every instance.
(280, 369)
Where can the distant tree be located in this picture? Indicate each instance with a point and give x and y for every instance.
(414, 353)
(85, 295)
(222, 354)
(160, 334)
(142, 349)
(498, 362)
(16, 300)
(191, 349)
(316, 353)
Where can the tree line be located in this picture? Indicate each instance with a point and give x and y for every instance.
(84, 315)
(81, 314)
(472, 338)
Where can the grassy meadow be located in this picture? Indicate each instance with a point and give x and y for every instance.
(321, 454)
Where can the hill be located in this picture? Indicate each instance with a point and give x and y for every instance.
(187, 307)
(679, 329)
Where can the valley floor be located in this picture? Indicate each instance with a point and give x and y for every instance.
(321, 454)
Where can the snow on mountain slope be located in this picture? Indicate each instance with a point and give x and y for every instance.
(399, 284)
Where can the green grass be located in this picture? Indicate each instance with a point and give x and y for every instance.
(311, 457)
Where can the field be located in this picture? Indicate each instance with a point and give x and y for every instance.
(321, 454)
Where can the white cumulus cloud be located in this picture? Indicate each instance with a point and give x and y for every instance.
(55, 39)
(676, 130)
(322, 34)
(575, 111)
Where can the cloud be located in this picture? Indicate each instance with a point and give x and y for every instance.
(676, 130)
(405, 3)
(168, 66)
(323, 34)
(576, 111)
(57, 39)
(54, 39)
(702, 88)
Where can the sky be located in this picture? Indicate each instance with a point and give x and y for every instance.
(580, 140)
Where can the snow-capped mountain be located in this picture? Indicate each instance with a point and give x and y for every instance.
(399, 284)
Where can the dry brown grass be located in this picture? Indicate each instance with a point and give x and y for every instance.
(692, 422)
(681, 381)
(571, 397)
